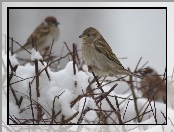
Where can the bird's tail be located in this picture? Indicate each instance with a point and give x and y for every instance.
(127, 72)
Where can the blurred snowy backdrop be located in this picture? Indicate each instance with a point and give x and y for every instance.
(131, 33)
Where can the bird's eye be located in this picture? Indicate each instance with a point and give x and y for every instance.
(88, 35)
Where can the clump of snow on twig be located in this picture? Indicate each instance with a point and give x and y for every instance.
(35, 55)
(13, 59)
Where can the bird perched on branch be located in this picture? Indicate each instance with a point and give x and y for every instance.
(43, 35)
(99, 57)
(152, 85)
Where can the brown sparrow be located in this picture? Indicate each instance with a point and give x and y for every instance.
(43, 35)
(99, 57)
(153, 85)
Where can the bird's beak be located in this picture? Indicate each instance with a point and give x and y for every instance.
(58, 23)
(81, 36)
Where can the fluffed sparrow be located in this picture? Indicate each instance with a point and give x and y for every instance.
(152, 84)
(98, 55)
(43, 35)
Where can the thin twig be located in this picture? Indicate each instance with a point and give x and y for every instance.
(117, 103)
(14, 95)
(12, 46)
(59, 61)
(125, 109)
(104, 96)
(50, 64)
(77, 56)
(53, 112)
(50, 51)
(82, 113)
(134, 97)
(20, 45)
(103, 92)
(21, 80)
(39, 116)
(138, 116)
(68, 49)
(163, 115)
(144, 65)
(137, 64)
(74, 59)
(13, 70)
(31, 104)
(153, 113)
(46, 71)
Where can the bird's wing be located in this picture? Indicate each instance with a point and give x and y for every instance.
(41, 31)
(103, 47)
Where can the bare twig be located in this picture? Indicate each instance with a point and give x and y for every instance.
(70, 118)
(104, 96)
(144, 65)
(103, 92)
(53, 112)
(59, 61)
(21, 80)
(138, 116)
(12, 46)
(14, 95)
(13, 70)
(153, 113)
(117, 103)
(39, 116)
(74, 59)
(163, 115)
(82, 113)
(49, 65)
(137, 64)
(31, 104)
(134, 97)
(20, 45)
(50, 51)
(125, 109)
(77, 56)
(69, 50)
(46, 71)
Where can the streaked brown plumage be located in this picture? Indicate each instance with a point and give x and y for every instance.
(98, 55)
(153, 85)
(43, 35)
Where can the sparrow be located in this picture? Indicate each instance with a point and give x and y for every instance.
(99, 57)
(43, 35)
(152, 85)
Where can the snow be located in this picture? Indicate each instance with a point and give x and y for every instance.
(83, 104)
(63, 87)
(13, 59)
(14, 111)
(35, 55)
(51, 89)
